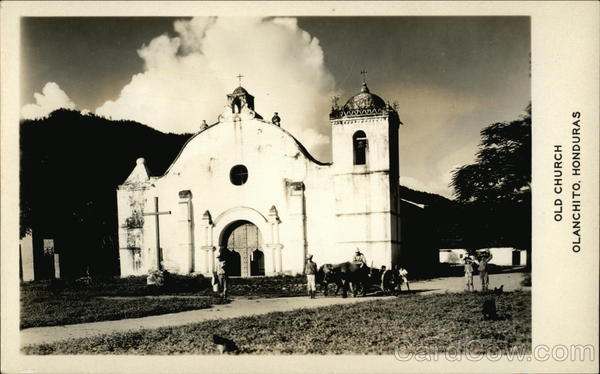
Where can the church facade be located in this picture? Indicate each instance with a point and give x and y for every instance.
(247, 185)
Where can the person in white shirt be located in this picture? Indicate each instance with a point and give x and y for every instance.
(469, 273)
(359, 258)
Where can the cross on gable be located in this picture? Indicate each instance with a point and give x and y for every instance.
(239, 77)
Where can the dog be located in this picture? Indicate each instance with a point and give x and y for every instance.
(224, 345)
(499, 290)
(489, 309)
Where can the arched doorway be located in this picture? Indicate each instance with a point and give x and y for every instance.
(244, 240)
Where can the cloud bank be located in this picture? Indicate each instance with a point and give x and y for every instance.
(187, 76)
(51, 98)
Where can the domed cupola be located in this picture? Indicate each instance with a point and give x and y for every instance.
(362, 104)
(364, 101)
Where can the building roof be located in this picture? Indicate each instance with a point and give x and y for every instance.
(422, 206)
(240, 90)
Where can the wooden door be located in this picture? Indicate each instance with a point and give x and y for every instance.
(244, 240)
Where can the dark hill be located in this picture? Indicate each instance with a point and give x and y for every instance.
(421, 197)
(71, 165)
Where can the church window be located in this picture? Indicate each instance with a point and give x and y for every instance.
(360, 144)
(238, 175)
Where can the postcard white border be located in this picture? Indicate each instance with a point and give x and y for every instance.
(565, 284)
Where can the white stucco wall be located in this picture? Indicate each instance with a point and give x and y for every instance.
(364, 208)
(274, 162)
(504, 256)
(26, 247)
(453, 256)
(323, 209)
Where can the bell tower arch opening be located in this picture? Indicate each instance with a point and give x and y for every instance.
(360, 146)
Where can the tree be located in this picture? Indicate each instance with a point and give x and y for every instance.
(496, 189)
(502, 170)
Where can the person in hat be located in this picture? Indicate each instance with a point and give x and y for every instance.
(359, 258)
(469, 273)
(485, 258)
(311, 272)
(222, 272)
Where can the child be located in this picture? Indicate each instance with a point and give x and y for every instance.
(403, 273)
(215, 282)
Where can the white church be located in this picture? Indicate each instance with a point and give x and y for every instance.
(247, 185)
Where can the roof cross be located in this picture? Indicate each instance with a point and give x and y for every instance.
(364, 74)
(239, 77)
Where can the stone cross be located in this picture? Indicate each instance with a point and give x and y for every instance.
(156, 213)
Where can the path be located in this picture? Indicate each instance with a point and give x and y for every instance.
(511, 282)
(240, 307)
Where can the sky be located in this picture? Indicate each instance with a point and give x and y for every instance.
(450, 76)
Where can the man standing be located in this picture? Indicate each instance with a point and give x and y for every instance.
(311, 272)
(222, 272)
(486, 256)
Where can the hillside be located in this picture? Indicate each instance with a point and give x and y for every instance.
(71, 165)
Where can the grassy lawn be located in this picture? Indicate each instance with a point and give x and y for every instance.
(45, 303)
(377, 327)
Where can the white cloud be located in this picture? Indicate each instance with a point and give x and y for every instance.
(312, 139)
(51, 98)
(186, 77)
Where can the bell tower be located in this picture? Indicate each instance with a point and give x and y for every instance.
(366, 177)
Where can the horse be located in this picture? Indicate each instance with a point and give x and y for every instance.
(347, 276)
(325, 276)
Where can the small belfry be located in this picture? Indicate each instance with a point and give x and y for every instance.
(247, 186)
(240, 105)
(240, 98)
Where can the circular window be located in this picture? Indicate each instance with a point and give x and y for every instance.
(238, 175)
